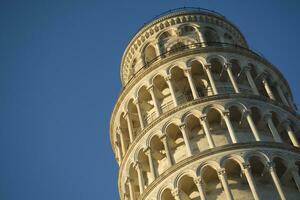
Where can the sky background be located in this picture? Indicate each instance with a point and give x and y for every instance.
(59, 81)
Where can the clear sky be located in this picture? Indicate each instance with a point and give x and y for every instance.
(59, 80)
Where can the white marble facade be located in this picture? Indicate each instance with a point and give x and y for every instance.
(201, 116)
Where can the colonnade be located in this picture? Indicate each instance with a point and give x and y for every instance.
(248, 169)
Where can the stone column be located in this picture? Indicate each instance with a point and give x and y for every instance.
(139, 170)
(276, 181)
(205, 126)
(251, 182)
(199, 183)
(130, 126)
(119, 154)
(247, 113)
(291, 134)
(268, 88)
(296, 177)
(231, 77)
(188, 74)
(129, 184)
(211, 79)
(223, 178)
(138, 107)
(157, 108)
(186, 139)
(172, 90)
(122, 142)
(176, 194)
(276, 136)
(229, 127)
(282, 97)
(166, 146)
(251, 81)
(148, 152)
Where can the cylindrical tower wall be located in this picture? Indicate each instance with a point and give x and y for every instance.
(201, 116)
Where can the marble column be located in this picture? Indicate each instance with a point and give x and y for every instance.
(231, 77)
(188, 74)
(268, 88)
(272, 171)
(211, 79)
(130, 126)
(281, 95)
(291, 134)
(203, 122)
(223, 178)
(247, 172)
(157, 108)
(122, 139)
(250, 80)
(172, 90)
(148, 152)
(167, 150)
(139, 171)
(199, 183)
(131, 191)
(253, 128)
(138, 107)
(186, 139)
(229, 127)
(276, 136)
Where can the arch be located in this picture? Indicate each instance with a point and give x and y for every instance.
(177, 179)
(149, 53)
(162, 93)
(210, 36)
(188, 188)
(166, 194)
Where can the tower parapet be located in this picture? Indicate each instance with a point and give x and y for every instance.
(201, 116)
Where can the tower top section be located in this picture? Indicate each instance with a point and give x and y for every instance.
(174, 30)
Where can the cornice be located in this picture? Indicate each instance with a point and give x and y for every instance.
(157, 64)
(195, 102)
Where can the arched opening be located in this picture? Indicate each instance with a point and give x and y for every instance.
(188, 189)
(145, 167)
(286, 178)
(176, 143)
(124, 131)
(220, 76)
(181, 85)
(240, 124)
(134, 117)
(147, 105)
(211, 37)
(261, 125)
(179, 46)
(228, 38)
(196, 134)
(163, 39)
(237, 181)
(200, 79)
(217, 126)
(167, 195)
(149, 54)
(186, 30)
(212, 186)
(162, 93)
(262, 178)
(133, 176)
(158, 155)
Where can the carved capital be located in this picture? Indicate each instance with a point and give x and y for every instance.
(150, 88)
(136, 101)
(227, 66)
(176, 192)
(270, 166)
(207, 66)
(203, 118)
(163, 138)
(168, 78)
(182, 126)
(221, 172)
(226, 114)
(198, 180)
(246, 166)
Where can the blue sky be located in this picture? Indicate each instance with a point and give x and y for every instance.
(59, 80)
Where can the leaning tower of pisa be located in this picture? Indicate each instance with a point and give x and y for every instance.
(201, 116)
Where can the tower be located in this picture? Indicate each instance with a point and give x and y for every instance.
(202, 116)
